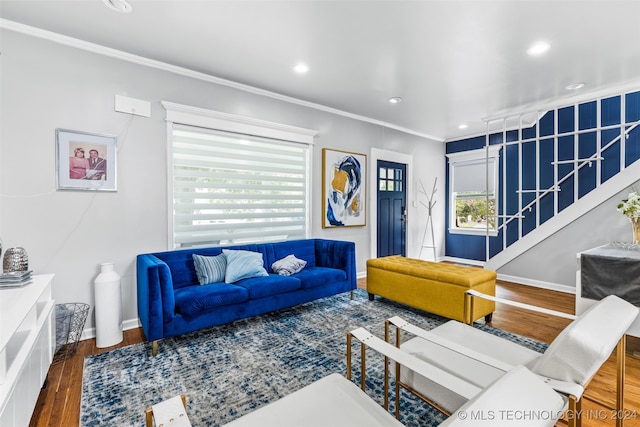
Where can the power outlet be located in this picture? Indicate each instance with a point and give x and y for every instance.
(138, 107)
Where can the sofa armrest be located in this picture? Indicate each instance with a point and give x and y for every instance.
(337, 254)
(156, 299)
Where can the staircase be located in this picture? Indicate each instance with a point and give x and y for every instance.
(570, 160)
(623, 180)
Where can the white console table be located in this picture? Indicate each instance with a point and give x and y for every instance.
(583, 303)
(27, 343)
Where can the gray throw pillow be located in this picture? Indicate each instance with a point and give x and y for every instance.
(288, 265)
(210, 269)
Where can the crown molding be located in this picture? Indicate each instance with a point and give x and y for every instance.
(140, 60)
(195, 116)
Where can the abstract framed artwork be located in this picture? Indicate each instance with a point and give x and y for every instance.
(343, 189)
(85, 161)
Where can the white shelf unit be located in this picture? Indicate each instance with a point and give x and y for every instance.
(27, 343)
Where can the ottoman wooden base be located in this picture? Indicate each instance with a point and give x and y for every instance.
(438, 288)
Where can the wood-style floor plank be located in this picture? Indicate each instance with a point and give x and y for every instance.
(59, 402)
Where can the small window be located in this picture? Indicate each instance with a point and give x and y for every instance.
(390, 179)
(473, 180)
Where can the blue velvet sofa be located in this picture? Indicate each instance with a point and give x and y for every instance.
(172, 302)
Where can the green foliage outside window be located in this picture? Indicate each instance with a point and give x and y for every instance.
(471, 210)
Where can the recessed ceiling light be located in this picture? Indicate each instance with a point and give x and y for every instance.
(463, 126)
(538, 48)
(121, 6)
(575, 86)
(301, 68)
(395, 100)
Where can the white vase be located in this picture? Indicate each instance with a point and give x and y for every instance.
(108, 307)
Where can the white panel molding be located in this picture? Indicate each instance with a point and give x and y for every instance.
(140, 60)
(541, 108)
(584, 205)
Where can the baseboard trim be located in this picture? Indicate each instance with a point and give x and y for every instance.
(462, 261)
(537, 283)
(90, 333)
(519, 280)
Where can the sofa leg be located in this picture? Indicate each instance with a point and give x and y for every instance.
(371, 296)
(488, 318)
(351, 296)
(154, 348)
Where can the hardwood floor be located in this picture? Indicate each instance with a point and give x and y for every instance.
(59, 401)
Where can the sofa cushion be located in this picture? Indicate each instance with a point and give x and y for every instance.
(210, 269)
(273, 284)
(243, 264)
(318, 276)
(192, 300)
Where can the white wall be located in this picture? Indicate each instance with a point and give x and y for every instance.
(553, 261)
(45, 86)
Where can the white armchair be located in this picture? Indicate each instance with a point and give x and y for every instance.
(480, 358)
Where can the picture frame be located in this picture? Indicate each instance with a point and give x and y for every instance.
(85, 161)
(344, 178)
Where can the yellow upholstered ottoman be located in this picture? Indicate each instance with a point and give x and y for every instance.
(438, 288)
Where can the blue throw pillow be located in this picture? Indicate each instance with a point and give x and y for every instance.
(210, 269)
(242, 265)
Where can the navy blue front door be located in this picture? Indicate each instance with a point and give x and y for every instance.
(392, 208)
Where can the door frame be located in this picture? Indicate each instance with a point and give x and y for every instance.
(391, 156)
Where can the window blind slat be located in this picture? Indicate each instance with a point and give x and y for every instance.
(233, 188)
(184, 174)
(191, 239)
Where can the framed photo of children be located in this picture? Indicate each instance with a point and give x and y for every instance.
(85, 161)
(344, 177)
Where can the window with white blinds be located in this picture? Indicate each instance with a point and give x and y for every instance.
(473, 179)
(231, 188)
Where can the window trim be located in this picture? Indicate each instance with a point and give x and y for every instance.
(216, 120)
(492, 152)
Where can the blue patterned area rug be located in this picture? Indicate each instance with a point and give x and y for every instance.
(233, 369)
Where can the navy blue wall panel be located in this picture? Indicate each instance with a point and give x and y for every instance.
(529, 133)
(529, 172)
(547, 126)
(610, 111)
(565, 152)
(632, 107)
(587, 146)
(632, 147)
(587, 116)
(611, 163)
(566, 119)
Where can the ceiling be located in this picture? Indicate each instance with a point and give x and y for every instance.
(452, 62)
